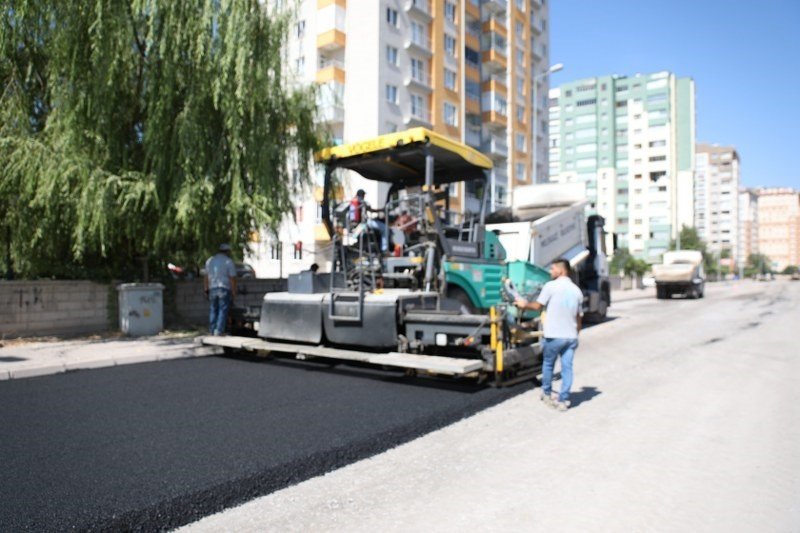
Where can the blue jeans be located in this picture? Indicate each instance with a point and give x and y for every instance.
(219, 300)
(383, 230)
(552, 349)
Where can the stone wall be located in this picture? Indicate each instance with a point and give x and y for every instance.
(65, 308)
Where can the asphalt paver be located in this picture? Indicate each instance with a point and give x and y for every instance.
(157, 445)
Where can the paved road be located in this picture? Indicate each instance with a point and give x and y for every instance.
(687, 419)
(158, 445)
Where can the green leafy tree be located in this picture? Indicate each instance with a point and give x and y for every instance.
(136, 129)
(789, 270)
(623, 261)
(757, 264)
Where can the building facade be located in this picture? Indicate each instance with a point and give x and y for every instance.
(748, 225)
(779, 226)
(631, 140)
(716, 199)
(463, 68)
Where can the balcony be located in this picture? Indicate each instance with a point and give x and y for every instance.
(420, 7)
(420, 80)
(330, 70)
(473, 8)
(331, 40)
(494, 58)
(496, 6)
(419, 43)
(419, 117)
(496, 147)
(331, 113)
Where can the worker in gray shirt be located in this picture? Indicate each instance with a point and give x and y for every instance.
(220, 288)
(563, 303)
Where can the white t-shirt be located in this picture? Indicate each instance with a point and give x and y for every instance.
(220, 269)
(564, 302)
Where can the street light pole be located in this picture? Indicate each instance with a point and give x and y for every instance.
(542, 75)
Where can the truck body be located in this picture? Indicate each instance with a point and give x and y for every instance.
(681, 272)
(547, 222)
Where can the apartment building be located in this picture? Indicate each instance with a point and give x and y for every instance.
(463, 68)
(748, 225)
(779, 226)
(716, 198)
(631, 140)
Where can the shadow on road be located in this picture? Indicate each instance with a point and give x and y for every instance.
(592, 323)
(354, 369)
(583, 395)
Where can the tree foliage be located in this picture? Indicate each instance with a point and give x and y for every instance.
(144, 128)
(623, 261)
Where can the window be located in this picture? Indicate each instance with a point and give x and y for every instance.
(520, 85)
(450, 79)
(276, 250)
(472, 89)
(419, 34)
(655, 176)
(300, 28)
(586, 87)
(300, 63)
(520, 142)
(450, 45)
(391, 93)
(582, 103)
(450, 114)
(520, 57)
(655, 98)
(390, 127)
(520, 168)
(586, 119)
(622, 103)
(391, 16)
(450, 11)
(520, 5)
(521, 113)
(655, 158)
(472, 57)
(418, 70)
(621, 88)
(657, 144)
(391, 55)
(418, 106)
(519, 29)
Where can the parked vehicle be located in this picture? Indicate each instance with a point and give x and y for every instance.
(680, 273)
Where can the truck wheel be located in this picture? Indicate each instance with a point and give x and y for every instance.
(661, 293)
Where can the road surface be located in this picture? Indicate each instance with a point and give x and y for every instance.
(687, 419)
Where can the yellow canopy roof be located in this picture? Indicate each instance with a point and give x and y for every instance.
(400, 158)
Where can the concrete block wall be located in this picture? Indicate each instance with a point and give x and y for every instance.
(66, 308)
(41, 308)
(188, 304)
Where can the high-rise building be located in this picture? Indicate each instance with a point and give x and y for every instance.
(748, 225)
(716, 199)
(631, 140)
(463, 68)
(779, 226)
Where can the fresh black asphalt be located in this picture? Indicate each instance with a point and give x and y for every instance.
(158, 445)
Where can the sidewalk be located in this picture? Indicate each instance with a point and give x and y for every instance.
(24, 359)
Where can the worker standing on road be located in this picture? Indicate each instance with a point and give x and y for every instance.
(563, 301)
(220, 288)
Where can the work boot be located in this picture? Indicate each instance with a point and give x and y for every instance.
(561, 406)
(547, 399)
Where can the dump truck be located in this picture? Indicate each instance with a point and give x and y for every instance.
(546, 222)
(681, 272)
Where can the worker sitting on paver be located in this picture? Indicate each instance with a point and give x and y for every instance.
(357, 215)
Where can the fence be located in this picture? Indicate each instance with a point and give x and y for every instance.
(66, 308)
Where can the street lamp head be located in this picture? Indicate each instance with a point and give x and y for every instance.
(555, 68)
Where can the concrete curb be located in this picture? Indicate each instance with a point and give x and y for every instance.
(181, 352)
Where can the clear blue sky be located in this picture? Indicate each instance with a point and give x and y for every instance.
(743, 56)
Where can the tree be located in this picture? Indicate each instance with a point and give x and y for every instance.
(145, 130)
(790, 269)
(691, 240)
(757, 264)
(624, 261)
